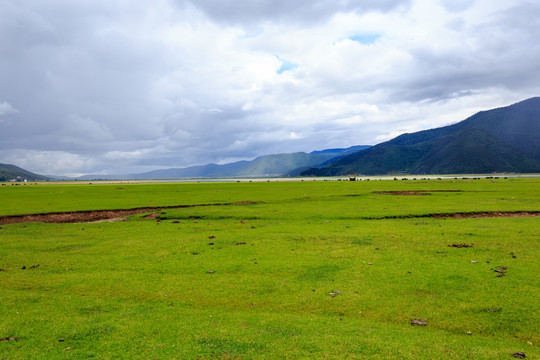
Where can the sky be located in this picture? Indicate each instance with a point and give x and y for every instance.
(119, 87)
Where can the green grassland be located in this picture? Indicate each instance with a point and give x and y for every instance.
(272, 270)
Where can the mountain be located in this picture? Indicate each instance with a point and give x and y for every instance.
(339, 154)
(506, 139)
(341, 151)
(263, 166)
(11, 172)
(267, 165)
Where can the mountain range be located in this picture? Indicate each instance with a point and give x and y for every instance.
(263, 166)
(505, 139)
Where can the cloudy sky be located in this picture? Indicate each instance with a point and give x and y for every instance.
(119, 86)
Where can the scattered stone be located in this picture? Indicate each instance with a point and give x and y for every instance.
(418, 322)
(334, 293)
(463, 245)
(34, 266)
(240, 243)
(500, 275)
(469, 333)
(519, 355)
(210, 243)
(23, 268)
(61, 340)
(195, 253)
(499, 271)
(377, 249)
(502, 267)
(474, 261)
(210, 271)
(68, 348)
(370, 263)
(493, 310)
(175, 222)
(530, 343)
(211, 237)
(9, 339)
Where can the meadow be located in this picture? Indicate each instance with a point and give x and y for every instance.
(274, 270)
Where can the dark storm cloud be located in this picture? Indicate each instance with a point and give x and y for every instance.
(499, 52)
(73, 79)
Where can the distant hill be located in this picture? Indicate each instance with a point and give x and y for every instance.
(10, 172)
(341, 151)
(263, 166)
(500, 140)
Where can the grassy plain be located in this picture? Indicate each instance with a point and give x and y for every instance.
(271, 270)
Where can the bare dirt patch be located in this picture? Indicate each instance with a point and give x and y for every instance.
(244, 203)
(73, 216)
(413, 193)
(461, 215)
(487, 214)
(98, 215)
(461, 245)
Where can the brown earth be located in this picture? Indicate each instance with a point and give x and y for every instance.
(487, 214)
(72, 217)
(462, 215)
(97, 215)
(414, 193)
(119, 215)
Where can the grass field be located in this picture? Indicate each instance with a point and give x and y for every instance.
(273, 270)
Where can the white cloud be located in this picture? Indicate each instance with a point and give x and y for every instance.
(6, 108)
(107, 86)
(298, 12)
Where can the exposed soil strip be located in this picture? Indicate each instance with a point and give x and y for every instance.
(111, 215)
(461, 215)
(96, 215)
(414, 193)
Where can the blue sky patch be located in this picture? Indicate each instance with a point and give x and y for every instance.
(365, 39)
(286, 65)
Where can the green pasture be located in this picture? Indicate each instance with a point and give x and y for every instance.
(272, 270)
